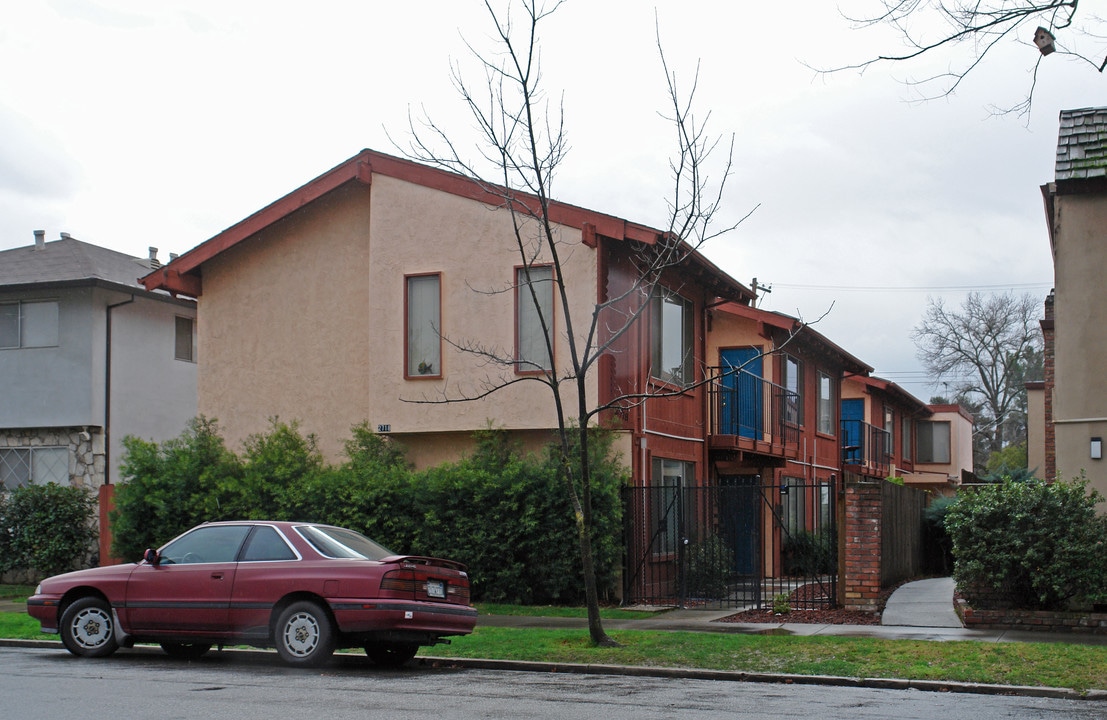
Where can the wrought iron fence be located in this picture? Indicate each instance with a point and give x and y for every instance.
(740, 543)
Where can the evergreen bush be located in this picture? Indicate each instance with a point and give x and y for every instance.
(1037, 545)
(47, 529)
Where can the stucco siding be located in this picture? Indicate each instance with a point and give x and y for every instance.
(1080, 390)
(284, 325)
(305, 320)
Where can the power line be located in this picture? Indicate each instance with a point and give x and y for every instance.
(914, 288)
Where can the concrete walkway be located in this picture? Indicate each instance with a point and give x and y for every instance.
(922, 603)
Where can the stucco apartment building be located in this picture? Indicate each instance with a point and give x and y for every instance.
(1068, 411)
(372, 292)
(383, 287)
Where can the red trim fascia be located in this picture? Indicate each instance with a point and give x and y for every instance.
(361, 168)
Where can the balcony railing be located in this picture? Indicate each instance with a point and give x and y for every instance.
(753, 413)
(866, 447)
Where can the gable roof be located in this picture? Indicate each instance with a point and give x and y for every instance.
(69, 261)
(893, 390)
(790, 324)
(1082, 144)
(184, 275)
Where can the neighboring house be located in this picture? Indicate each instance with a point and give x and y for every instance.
(1073, 407)
(890, 433)
(87, 356)
(362, 295)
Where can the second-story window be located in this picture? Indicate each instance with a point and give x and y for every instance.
(933, 439)
(671, 338)
(423, 315)
(29, 324)
(184, 347)
(532, 352)
(826, 404)
(792, 380)
(889, 430)
(907, 431)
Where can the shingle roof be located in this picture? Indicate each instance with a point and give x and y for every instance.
(1082, 144)
(69, 260)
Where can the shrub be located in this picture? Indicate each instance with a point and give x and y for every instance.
(1037, 545)
(810, 553)
(48, 529)
(504, 513)
(171, 487)
(711, 564)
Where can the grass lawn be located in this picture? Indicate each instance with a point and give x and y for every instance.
(1078, 667)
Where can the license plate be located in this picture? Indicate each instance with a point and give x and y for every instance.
(436, 589)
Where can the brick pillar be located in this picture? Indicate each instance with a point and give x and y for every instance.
(1049, 472)
(107, 504)
(860, 576)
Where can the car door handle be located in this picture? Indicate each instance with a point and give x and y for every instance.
(217, 576)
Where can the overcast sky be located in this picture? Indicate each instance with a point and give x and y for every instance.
(131, 123)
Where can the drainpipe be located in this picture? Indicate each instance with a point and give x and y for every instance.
(107, 391)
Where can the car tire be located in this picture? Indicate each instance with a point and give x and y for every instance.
(185, 651)
(391, 655)
(87, 628)
(304, 635)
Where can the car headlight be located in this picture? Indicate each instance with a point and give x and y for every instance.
(38, 589)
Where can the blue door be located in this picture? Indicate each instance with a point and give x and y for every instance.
(853, 416)
(740, 403)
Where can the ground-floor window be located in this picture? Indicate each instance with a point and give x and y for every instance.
(39, 465)
(670, 477)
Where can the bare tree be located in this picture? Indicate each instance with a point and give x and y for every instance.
(932, 27)
(984, 353)
(523, 142)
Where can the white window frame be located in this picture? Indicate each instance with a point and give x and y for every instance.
(29, 324)
(42, 464)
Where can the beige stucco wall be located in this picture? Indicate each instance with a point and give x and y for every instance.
(732, 331)
(1080, 391)
(306, 320)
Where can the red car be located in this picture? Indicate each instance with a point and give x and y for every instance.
(302, 588)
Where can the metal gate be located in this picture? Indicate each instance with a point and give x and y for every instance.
(739, 543)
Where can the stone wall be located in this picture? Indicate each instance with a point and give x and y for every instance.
(85, 444)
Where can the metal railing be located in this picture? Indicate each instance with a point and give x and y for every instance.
(866, 447)
(740, 543)
(745, 405)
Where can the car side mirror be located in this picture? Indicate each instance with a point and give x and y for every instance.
(151, 556)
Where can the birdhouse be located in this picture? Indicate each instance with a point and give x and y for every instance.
(1044, 40)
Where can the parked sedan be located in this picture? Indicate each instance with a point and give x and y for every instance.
(302, 588)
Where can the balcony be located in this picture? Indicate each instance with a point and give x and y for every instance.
(752, 415)
(866, 449)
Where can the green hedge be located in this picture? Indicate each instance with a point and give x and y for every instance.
(1036, 545)
(47, 529)
(502, 512)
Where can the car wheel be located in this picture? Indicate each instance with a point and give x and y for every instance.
(391, 655)
(87, 628)
(304, 635)
(187, 651)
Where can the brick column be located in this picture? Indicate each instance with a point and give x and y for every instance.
(1049, 360)
(860, 573)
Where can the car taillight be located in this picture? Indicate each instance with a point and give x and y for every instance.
(399, 581)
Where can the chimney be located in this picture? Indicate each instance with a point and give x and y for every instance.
(66, 236)
(40, 239)
(154, 257)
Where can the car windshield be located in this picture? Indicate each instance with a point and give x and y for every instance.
(336, 542)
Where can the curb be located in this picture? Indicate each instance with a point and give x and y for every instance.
(696, 674)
